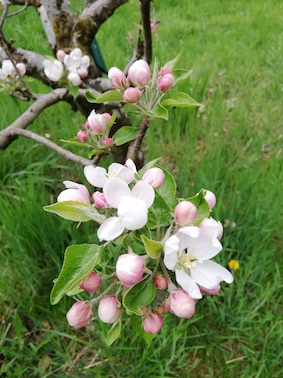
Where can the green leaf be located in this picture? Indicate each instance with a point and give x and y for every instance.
(75, 211)
(139, 295)
(79, 262)
(95, 151)
(168, 189)
(172, 63)
(202, 207)
(159, 213)
(125, 134)
(158, 112)
(153, 248)
(73, 89)
(108, 96)
(113, 333)
(137, 325)
(181, 76)
(75, 142)
(181, 100)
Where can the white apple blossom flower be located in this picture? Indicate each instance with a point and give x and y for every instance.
(98, 176)
(74, 192)
(132, 207)
(188, 253)
(53, 70)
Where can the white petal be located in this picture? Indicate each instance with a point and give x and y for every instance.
(114, 190)
(80, 187)
(110, 229)
(133, 213)
(171, 248)
(72, 195)
(188, 237)
(145, 192)
(96, 176)
(208, 245)
(188, 284)
(210, 274)
(114, 169)
(131, 164)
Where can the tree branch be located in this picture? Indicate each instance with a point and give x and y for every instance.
(53, 146)
(145, 20)
(7, 136)
(135, 145)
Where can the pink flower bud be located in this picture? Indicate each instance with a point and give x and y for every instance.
(117, 77)
(21, 68)
(139, 73)
(180, 304)
(160, 309)
(107, 116)
(82, 136)
(131, 95)
(210, 222)
(164, 71)
(160, 282)
(108, 142)
(154, 177)
(97, 122)
(60, 55)
(109, 310)
(166, 82)
(210, 199)
(100, 200)
(79, 314)
(152, 323)
(87, 125)
(74, 78)
(83, 72)
(129, 269)
(213, 291)
(91, 283)
(185, 213)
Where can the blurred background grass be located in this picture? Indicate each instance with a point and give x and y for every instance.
(232, 146)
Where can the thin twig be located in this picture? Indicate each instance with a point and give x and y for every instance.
(135, 145)
(19, 11)
(53, 146)
(4, 14)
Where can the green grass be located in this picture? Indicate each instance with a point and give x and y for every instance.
(233, 146)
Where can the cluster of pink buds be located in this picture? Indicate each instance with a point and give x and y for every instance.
(138, 78)
(74, 66)
(9, 73)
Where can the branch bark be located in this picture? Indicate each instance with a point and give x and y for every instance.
(145, 20)
(135, 145)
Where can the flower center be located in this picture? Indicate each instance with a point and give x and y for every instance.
(188, 260)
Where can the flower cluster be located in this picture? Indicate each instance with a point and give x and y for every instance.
(9, 74)
(73, 66)
(141, 85)
(157, 262)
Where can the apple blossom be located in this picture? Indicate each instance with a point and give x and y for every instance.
(132, 207)
(117, 77)
(129, 269)
(210, 199)
(109, 310)
(131, 95)
(152, 323)
(180, 304)
(74, 192)
(213, 291)
(98, 122)
(74, 78)
(100, 200)
(82, 136)
(154, 177)
(79, 314)
(60, 55)
(188, 253)
(185, 213)
(21, 68)
(160, 282)
(91, 283)
(139, 73)
(98, 176)
(53, 69)
(166, 82)
(108, 142)
(210, 222)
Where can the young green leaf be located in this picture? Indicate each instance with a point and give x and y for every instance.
(159, 213)
(108, 96)
(139, 295)
(125, 134)
(113, 333)
(181, 100)
(158, 112)
(203, 210)
(168, 189)
(75, 211)
(79, 262)
(153, 248)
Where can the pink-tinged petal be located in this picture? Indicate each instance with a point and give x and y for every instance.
(110, 229)
(114, 190)
(80, 187)
(127, 174)
(133, 213)
(114, 169)
(171, 248)
(72, 195)
(208, 245)
(188, 237)
(96, 176)
(130, 164)
(188, 284)
(143, 191)
(210, 274)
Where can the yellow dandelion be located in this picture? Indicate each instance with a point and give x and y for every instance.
(234, 264)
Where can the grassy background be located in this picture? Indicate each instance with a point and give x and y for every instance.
(233, 146)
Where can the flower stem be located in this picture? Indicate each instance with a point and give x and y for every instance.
(135, 145)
